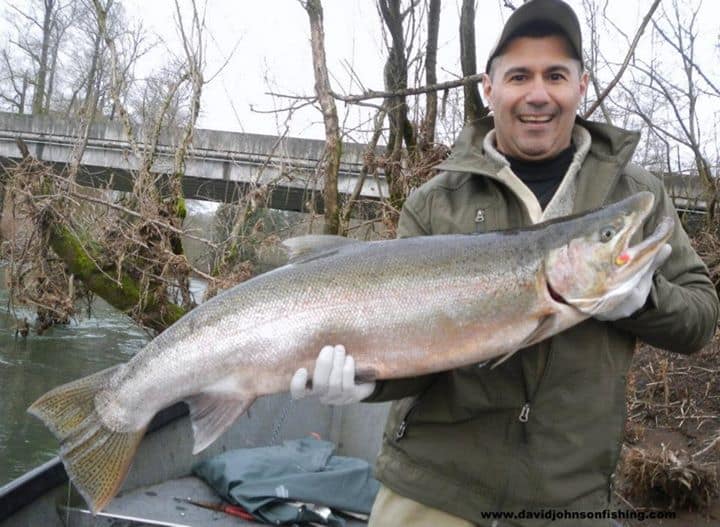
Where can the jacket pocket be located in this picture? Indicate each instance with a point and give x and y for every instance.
(398, 414)
(404, 415)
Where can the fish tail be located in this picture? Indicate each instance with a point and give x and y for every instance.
(96, 458)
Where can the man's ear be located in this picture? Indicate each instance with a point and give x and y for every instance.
(584, 81)
(487, 88)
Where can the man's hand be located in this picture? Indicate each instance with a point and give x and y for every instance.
(333, 380)
(637, 298)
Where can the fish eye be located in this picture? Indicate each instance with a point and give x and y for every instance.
(607, 234)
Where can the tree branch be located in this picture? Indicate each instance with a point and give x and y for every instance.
(628, 56)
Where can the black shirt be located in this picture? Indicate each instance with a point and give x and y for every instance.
(543, 177)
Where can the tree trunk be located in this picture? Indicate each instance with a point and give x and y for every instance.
(333, 144)
(474, 108)
(51, 80)
(40, 81)
(428, 127)
(396, 80)
(155, 310)
(90, 104)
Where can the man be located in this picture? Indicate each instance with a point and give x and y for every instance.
(542, 430)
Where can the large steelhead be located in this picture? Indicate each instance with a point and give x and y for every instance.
(401, 308)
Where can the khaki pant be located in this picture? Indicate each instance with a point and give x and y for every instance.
(392, 510)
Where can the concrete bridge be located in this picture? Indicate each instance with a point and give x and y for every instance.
(221, 166)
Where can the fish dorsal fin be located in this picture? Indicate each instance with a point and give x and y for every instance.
(211, 413)
(305, 248)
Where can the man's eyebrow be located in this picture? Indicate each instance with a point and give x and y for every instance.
(558, 67)
(514, 71)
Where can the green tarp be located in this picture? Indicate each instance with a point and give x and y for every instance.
(267, 480)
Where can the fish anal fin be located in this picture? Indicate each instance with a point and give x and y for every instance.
(312, 246)
(211, 413)
(96, 458)
(545, 328)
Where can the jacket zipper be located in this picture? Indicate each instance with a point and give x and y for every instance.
(524, 415)
(523, 418)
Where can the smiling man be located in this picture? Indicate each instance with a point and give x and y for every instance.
(536, 438)
(534, 87)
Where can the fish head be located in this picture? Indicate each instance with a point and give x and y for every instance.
(595, 266)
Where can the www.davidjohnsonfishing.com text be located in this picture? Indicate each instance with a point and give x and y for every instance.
(557, 514)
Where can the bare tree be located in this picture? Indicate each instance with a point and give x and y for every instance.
(127, 251)
(427, 128)
(333, 144)
(17, 82)
(474, 108)
(38, 29)
(679, 89)
(396, 76)
(594, 50)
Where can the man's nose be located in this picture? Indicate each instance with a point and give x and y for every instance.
(537, 94)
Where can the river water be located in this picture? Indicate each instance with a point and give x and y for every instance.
(33, 365)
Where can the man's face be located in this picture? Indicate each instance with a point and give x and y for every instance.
(534, 90)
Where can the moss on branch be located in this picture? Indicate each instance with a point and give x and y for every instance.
(152, 310)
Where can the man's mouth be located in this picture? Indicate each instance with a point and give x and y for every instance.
(535, 119)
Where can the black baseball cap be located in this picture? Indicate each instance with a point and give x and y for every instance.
(554, 14)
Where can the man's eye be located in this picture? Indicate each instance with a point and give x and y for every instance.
(518, 78)
(557, 77)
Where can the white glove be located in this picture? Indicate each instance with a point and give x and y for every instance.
(333, 380)
(637, 297)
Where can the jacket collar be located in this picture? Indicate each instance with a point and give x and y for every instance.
(610, 150)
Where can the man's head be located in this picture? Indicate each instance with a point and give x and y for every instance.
(534, 80)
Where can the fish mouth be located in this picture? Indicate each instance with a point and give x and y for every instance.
(648, 246)
(631, 259)
(631, 263)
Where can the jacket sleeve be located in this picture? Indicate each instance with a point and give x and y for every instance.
(411, 223)
(682, 312)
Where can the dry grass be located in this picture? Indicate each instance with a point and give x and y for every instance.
(669, 479)
(671, 458)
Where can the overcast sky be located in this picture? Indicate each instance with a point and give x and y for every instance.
(272, 51)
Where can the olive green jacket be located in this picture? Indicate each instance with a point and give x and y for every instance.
(543, 429)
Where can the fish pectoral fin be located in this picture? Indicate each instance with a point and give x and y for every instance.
(502, 359)
(211, 413)
(307, 248)
(543, 330)
(96, 458)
